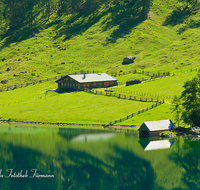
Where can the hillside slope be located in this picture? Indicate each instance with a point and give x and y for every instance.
(166, 40)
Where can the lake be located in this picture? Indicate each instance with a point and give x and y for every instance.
(93, 159)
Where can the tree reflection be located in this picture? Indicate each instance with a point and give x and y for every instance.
(188, 158)
(119, 169)
(124, 171)
(18, 159)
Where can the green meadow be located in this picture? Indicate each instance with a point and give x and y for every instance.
(162, 88)
(161, 112)
(32, 104)
(166, 40)
(35, 104)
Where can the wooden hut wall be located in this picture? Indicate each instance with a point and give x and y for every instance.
(68, 84)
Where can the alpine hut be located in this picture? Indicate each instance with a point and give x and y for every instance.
(154, 128)
(86, 81)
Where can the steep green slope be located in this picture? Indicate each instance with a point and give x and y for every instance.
(167, 40)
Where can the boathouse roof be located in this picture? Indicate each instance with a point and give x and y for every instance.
(159, 125)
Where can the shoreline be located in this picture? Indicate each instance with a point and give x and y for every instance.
(67, 124)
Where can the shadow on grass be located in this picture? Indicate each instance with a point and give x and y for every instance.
(180, 15)
(125, 17)
(23, 30)
(78, 24)
(191, 24)
(64, 91)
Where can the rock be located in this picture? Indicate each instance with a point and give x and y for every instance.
(128, 59)
(8, 69)
(4, 81)
(194, 131)
(15, 75)
(3, 59)
(33, 74)
(23, 72)
(21, 30)
(108, 6)
(19, 59)
(167, 135)
(63, 63)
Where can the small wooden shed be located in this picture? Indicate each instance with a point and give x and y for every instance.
(154, 128)
(85, 81)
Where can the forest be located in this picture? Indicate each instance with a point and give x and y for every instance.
(15, 14)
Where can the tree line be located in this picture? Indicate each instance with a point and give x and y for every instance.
(187, 106)
(18, 13)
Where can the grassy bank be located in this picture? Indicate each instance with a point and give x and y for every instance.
(34, 104)
(74, 42)
(76, 107)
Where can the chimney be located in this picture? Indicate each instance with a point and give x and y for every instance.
(84, 76)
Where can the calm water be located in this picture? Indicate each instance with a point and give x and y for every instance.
(80, 159)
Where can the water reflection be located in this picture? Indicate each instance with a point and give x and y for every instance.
(93, 137)
(149, 144)
(188, 157)
(107, 161)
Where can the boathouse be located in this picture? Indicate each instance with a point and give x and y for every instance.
(86, 81)
(154, 128)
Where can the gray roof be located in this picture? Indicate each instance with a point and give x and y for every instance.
(96, 77)
(159, 125)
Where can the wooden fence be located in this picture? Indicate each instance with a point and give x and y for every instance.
(135, 113)
(122, 96)
(131, 92)
(152, 76)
